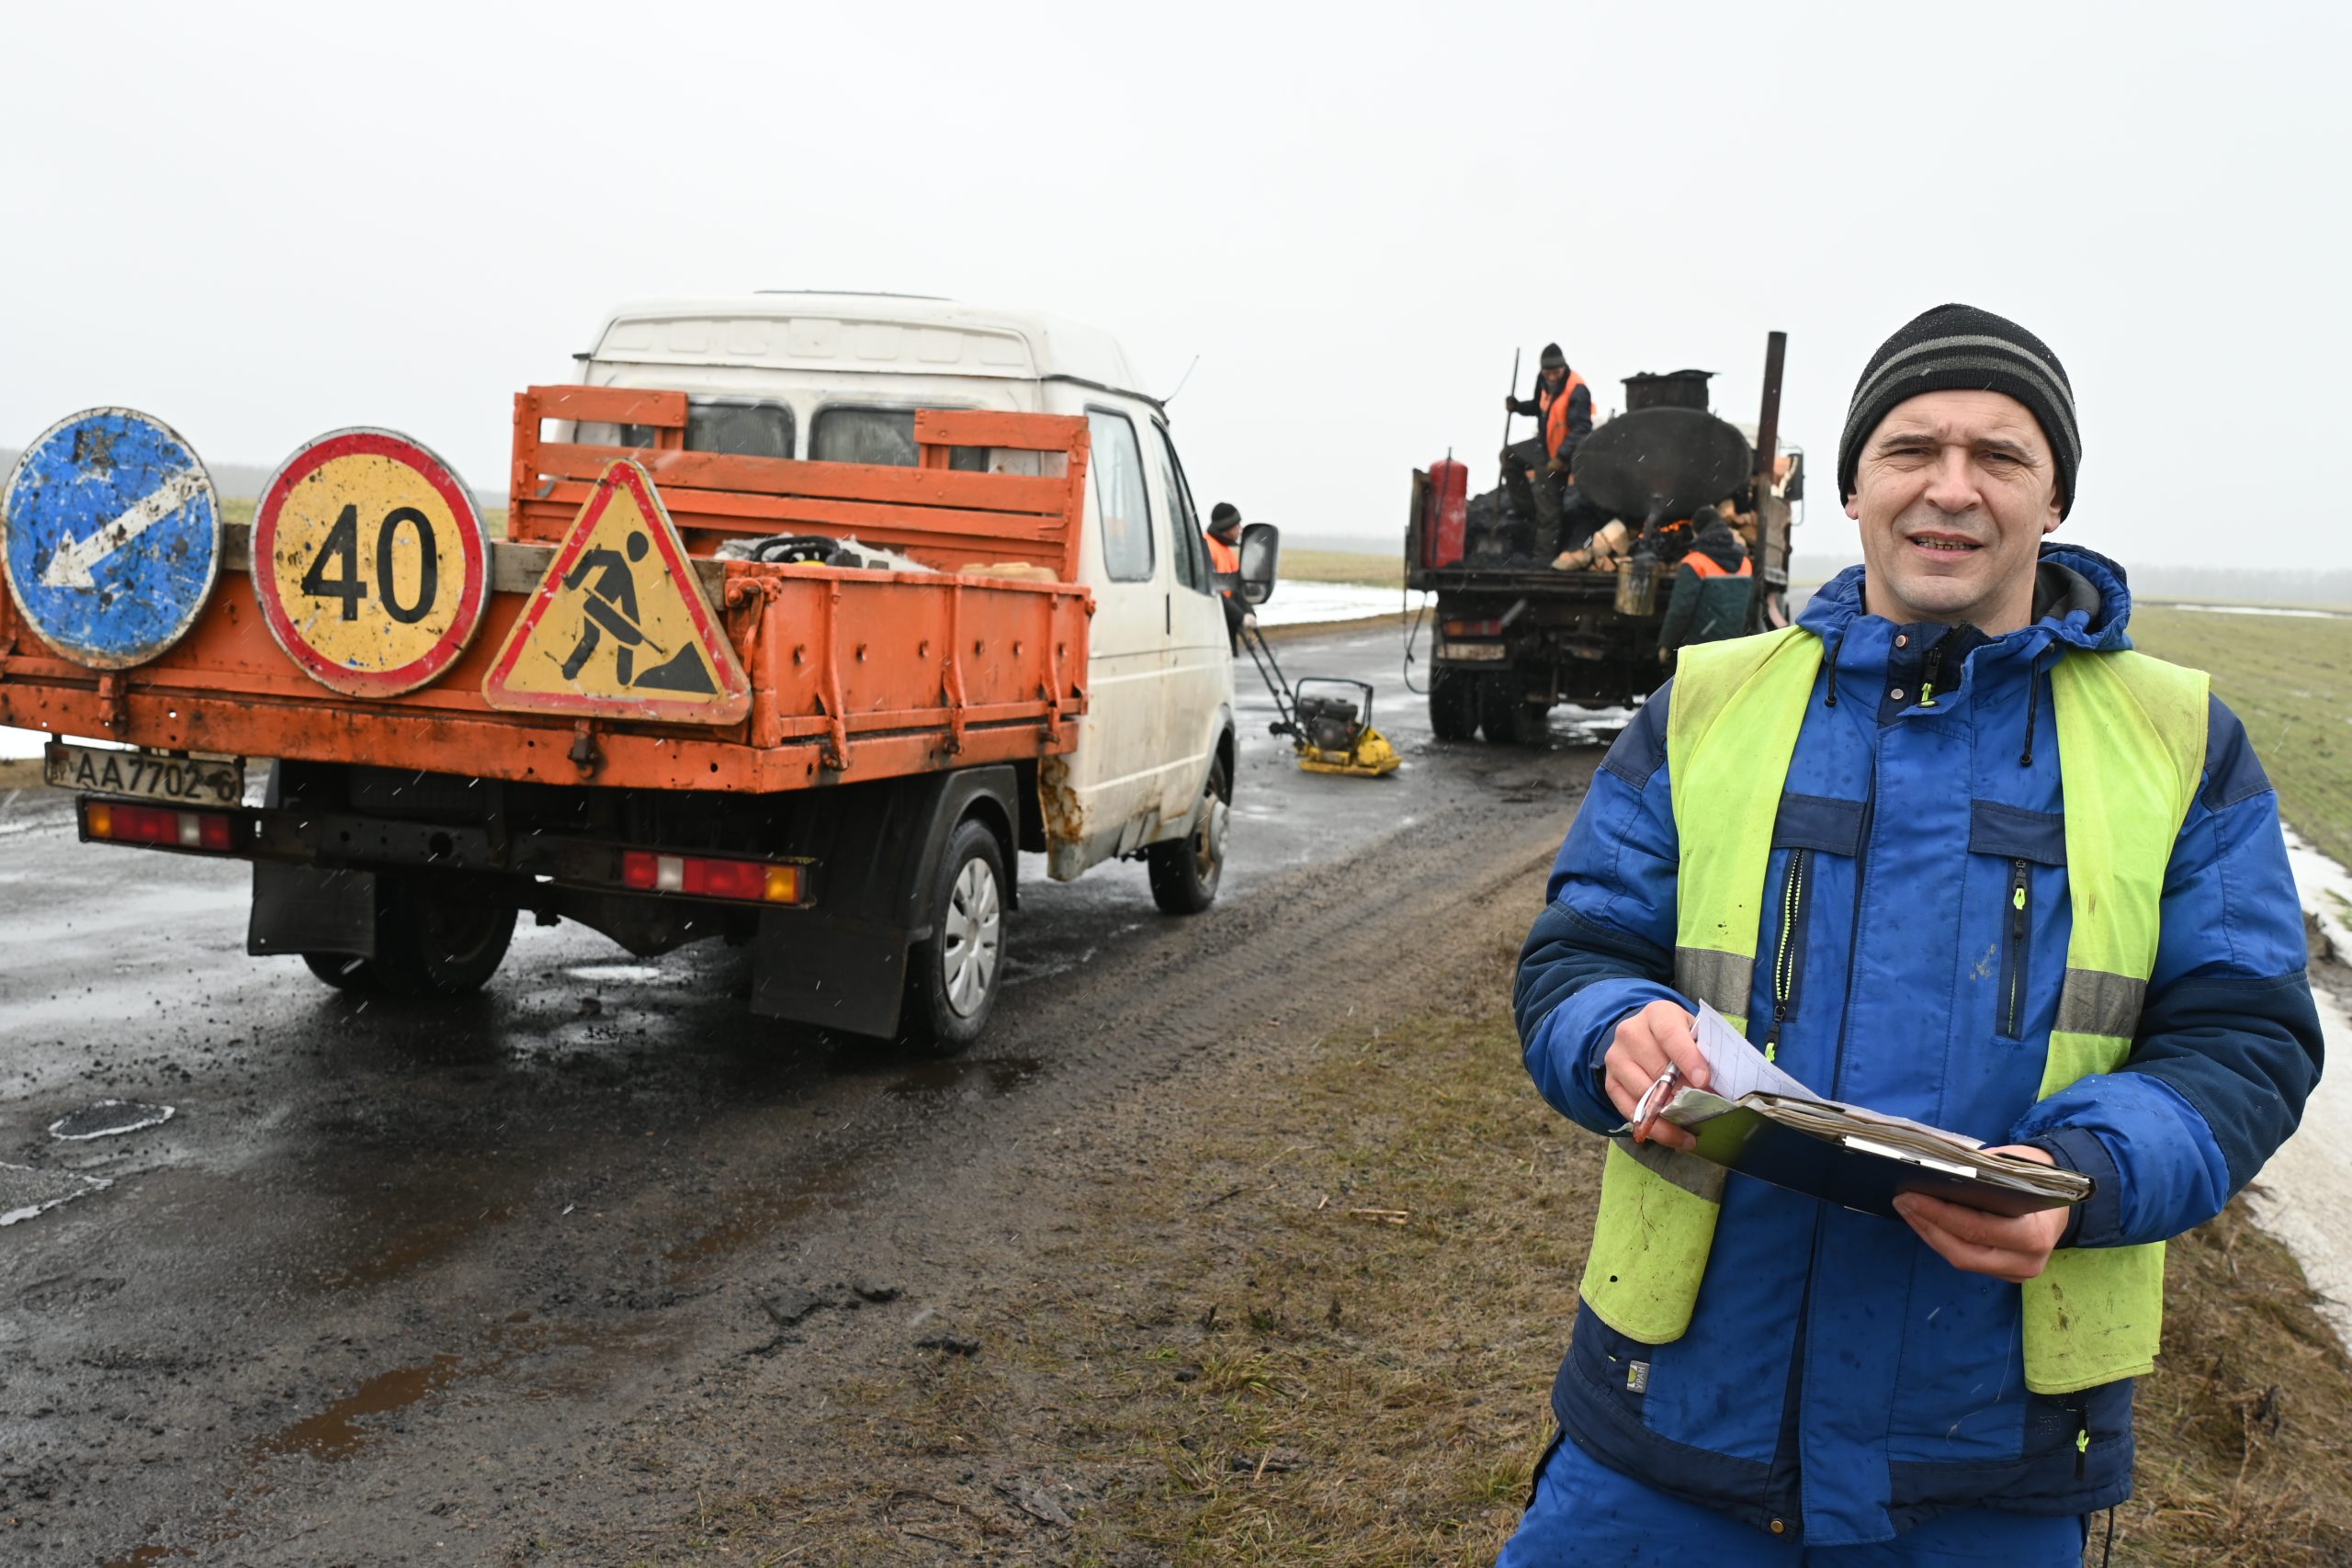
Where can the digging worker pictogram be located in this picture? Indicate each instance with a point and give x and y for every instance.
(611, 606)
(1946, 849)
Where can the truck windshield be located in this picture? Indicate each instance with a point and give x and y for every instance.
(879, 435)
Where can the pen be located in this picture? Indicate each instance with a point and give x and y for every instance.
(1653, 1101)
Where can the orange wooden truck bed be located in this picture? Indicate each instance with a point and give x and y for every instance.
(854, 674)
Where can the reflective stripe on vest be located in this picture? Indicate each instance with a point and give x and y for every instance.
(2134, 729)
(1702, 564)
(1555, 413)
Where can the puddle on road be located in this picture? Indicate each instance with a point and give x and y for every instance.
(109, 1119)
(26, 1191)
(998, 1075)
(417, 1244)
(335, 1433)
(629, 975)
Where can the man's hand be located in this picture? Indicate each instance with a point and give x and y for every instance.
(1978, 1243)
(1511, 403)
(1645, 1045)
(1555, 467)
(1665, 656)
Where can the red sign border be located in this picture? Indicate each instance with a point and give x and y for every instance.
(367, 440)
(624, 473)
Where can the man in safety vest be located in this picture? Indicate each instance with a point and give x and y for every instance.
(1949, 850)
(1714, 587)
(1223, 538)
(1535, 471)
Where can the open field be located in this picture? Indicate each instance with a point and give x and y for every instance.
(1305, 565)
(1320, 1326)
(2290, 679)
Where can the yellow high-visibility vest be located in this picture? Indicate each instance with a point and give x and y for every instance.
(2131, 754)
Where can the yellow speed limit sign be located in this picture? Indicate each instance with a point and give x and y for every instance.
(370, 563)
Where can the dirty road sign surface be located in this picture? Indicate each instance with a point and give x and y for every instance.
(619, 625)
(369, 562)
(113, 536)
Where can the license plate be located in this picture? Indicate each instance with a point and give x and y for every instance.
(1472, 650)
(144, 775)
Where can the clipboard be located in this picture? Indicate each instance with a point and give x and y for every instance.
(1759, 1121)
(1860, 1161)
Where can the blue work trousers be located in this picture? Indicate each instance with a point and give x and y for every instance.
(1587, 1516)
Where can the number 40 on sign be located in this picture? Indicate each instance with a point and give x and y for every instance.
(369, 562)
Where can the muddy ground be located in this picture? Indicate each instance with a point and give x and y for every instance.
(402, 1285)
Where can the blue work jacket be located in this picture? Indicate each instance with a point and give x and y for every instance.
(1839, 1379)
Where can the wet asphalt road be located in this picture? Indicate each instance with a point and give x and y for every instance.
(362, 1216)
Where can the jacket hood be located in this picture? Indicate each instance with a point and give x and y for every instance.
(1715, 539)
(2080, 600)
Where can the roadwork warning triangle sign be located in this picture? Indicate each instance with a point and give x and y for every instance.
(619, 625)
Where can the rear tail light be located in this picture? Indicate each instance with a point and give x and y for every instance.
(703, 876)
(1473, 628)
(159, 825)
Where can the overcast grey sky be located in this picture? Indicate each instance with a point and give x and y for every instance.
(263, 223)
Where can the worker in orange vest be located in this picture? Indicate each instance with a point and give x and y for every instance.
(1713, 587)
(1535, 471)
(1223, 538)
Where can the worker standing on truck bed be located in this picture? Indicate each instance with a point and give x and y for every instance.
(1713, 587)
(1535, 471)
(1947, 849)
(1222, 537)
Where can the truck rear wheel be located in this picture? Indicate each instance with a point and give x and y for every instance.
(1509, 718)
(1453, 704)
(1185, 872)
(954, 974)
(436, 938)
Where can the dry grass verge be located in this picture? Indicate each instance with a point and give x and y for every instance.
(1316, 1324)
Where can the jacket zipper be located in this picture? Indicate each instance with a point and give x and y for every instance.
(1796, 887)
(1933, 672)
(1854, 932)
(2013, 971)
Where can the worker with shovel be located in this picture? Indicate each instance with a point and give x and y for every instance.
(1535, 471)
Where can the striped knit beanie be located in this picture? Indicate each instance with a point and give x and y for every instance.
(1959, 347)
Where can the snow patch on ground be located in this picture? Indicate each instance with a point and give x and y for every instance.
(2301, 1193)
(2248, 610)
(1303, 603)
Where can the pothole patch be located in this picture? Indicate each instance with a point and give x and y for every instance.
(109, 1119)
(26, 1191)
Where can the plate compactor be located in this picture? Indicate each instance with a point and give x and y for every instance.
(1329, 720)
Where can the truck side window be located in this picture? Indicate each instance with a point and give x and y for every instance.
(1183, 522)
(744, 428)
(1114, 472)
(886, 436)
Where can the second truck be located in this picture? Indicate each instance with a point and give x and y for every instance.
(1514, 637)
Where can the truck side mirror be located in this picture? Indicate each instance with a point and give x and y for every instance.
(1261, 546)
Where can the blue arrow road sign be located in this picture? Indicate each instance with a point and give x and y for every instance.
(113, 537)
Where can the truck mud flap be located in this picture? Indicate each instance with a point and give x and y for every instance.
(844, 964)
(303, 909)
(832, 972)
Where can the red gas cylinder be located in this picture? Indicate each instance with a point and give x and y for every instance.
(1446, 508)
